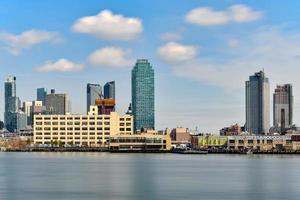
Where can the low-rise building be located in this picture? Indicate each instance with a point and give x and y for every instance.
(140, 142)
(209, 141)
(91, 130)
(179, 136)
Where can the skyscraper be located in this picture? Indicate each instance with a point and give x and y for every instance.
(13, 117)
(41, 94)
(93, 92)
(283, 107)
(109, 90)
(258, 104)
(142, 91)
(56, 104)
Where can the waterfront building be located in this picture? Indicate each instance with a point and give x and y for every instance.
(209, 141)
(93, 92)
(283, 107)
(140, 142)
(91, 130)
(257, 104)
(142, 90)
(109, 90)
(41, 94)
(179, 135)
(56, 104)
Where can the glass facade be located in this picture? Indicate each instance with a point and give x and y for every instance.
(142, 90)
(93, 92)
(13, 118)
(109, 90)
(41, 94)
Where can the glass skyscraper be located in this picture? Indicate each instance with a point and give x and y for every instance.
(142, 91)
(258, 104)
(41, 94)
(93, 92)
(14, 119)
(109, 90)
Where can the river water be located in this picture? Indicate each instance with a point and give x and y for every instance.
(113, 176)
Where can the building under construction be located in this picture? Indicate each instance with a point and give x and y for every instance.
(105, 106)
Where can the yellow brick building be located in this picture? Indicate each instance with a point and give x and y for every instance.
(91, 130)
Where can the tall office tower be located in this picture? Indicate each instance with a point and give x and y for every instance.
(258, 104)
(283, 107)
(41, 94)
(13, 117)
(109, 90)
(142, 91)
(93, 92)
(11, 103)
(56, 104)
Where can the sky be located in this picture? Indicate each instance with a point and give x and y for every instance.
(202, 52)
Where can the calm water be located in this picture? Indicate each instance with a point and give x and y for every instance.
(36, 176)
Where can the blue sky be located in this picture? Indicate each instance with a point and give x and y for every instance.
(202, 52)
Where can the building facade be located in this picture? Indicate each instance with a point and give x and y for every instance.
(142, 90)
(91, 130)
(41, 94)
(56, 104)
(258, 104)
(93, 92)
(109, 90)
(14, 118)
(283, 107)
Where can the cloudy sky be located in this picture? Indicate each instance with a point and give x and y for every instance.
(202, 52)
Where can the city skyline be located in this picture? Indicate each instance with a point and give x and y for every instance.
(199, 80)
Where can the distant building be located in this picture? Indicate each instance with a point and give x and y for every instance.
(56, 104)
(14, 119)
(93, 92)
(283, 107)
(231, 130)
(257, 104)
(105, 106)
(27, 106)
(142, 91)
(109, 90)
(41, 94)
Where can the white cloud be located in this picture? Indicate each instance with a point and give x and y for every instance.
(171, 36)
(62, 65)
(173, 52)
(114, 57)
(106, 25)
(274, 50)
(16, 43)
(206, 16)
(233, 43)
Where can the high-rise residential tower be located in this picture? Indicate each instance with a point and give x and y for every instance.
(283, 107)
(142, 91)
(41, 94)
(93, 92)
(258, 104)
(109, 90)
(13, 117)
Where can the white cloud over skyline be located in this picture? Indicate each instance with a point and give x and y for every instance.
(17, 43)
(206, 16)
(173, 52)
(114, 57)
(61, 65)
(110, 26)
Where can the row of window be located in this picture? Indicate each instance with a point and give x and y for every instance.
(83, 123)
(257, 141)
(71, 118)
(72, 128)
(71, 133)
(70, 138)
